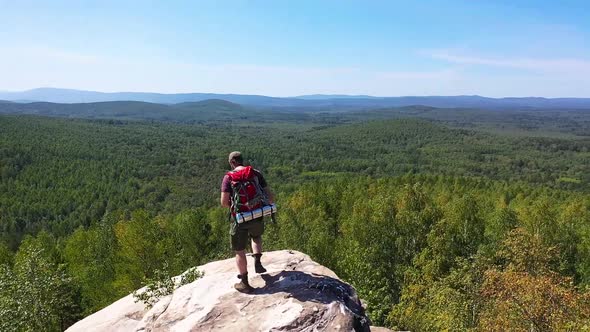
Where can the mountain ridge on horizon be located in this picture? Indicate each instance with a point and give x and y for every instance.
(314, 95)
(58, 95)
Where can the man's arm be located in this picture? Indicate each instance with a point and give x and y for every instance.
(225, 192)
(224, 200)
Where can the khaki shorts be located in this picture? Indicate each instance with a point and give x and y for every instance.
(240, 233)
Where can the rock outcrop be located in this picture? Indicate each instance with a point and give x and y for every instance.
(296, 294)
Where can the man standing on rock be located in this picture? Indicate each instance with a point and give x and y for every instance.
(245, 189)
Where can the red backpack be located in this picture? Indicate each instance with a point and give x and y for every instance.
(247, 195)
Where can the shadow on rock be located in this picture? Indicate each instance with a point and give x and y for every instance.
(307, 287)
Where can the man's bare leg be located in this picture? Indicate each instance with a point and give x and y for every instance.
(257, 253)
(241, 262)
(257, 245)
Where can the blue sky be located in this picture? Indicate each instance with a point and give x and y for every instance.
(286, 48)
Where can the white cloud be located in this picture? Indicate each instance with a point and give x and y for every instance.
(556, 66)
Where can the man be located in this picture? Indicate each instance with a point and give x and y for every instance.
(241, 231)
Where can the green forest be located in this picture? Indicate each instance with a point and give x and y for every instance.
(441, 219)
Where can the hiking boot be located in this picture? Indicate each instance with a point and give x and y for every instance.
(258, 265)
(259, 268)
(243, 286)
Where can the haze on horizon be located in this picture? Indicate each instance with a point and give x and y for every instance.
(379, 48)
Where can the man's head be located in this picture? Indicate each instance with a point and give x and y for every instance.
(235, 159)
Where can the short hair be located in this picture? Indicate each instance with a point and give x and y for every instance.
(236, 157)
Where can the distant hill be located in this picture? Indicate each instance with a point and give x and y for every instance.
(125, 110)
(79, 96)
(118, 109)
(320, 96)
(217, 103)
(324, 102)
(569, 123)
(206, 110)
(460, 102)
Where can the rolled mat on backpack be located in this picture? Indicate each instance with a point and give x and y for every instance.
(266, 210)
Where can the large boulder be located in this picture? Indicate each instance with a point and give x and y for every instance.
(296, 294)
